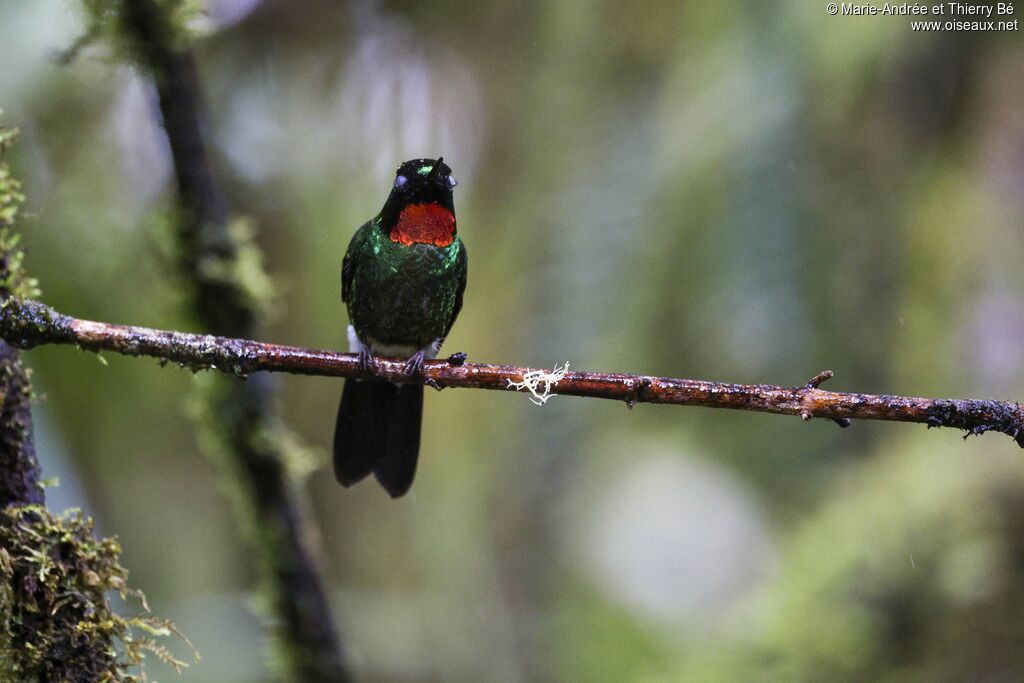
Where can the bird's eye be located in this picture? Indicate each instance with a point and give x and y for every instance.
(400, 181)
(452, 182)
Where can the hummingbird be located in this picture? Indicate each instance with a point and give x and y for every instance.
(402, 281)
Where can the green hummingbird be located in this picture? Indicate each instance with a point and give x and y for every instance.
(402, 281)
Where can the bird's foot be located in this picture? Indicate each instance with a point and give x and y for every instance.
(366, 360)
(414, 364)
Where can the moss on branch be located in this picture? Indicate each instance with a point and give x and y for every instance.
(56, 618)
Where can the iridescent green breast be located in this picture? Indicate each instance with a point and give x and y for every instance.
(402, 294)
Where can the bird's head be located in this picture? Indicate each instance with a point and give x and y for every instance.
(421, 208)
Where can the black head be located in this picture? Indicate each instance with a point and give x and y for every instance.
(419, 181)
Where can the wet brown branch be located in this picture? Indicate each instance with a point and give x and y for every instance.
(29, 323)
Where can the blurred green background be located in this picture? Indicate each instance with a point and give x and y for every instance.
(732, 190)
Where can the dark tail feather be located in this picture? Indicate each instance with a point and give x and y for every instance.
(396, 469)
(361, 428)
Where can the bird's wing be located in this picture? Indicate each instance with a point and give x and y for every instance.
(462, 264)
(353, 255)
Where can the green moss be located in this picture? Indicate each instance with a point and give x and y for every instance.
(56, 577)
(102, 19)
(241, 271)
(13, 279)
(56, 619)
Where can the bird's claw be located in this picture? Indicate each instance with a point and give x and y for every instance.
(366, 361)
(414, 364)
(414, 367)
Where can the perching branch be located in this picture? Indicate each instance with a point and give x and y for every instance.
(29, 323)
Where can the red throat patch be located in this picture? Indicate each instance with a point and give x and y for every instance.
(424, 224)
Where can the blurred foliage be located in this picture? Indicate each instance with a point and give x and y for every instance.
(103, 21)
(893, 581)
(733, 190)
(244, 270)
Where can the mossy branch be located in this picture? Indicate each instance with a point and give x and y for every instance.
(19, 470)
(220, 268)
(56, 620)
(30, 323)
